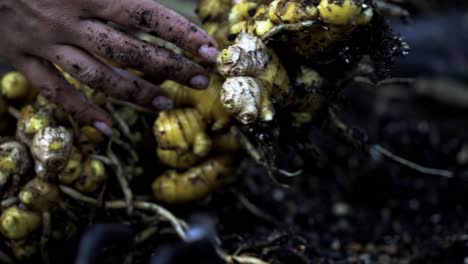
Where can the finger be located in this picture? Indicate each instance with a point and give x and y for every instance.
(128, 51)
(53, 86)
(154, 18)
(96, 74)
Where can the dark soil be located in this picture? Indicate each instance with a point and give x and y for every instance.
(352, 206)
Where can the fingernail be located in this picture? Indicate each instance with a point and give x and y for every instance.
(209, 52)
(162, 103)
(103, 127)
(199, 81)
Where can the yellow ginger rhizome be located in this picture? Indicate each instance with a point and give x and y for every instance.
(263, 40)
(42, 151)
(254, 78)
(276, 57)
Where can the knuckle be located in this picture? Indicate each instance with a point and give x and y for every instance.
(93, 77)
(144, 17)
(83, 112)
(48, 92)
(131, 53)
(145, 95)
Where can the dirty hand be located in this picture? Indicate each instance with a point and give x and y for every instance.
(73, 34)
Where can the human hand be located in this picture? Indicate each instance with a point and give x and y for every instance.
(73, 34)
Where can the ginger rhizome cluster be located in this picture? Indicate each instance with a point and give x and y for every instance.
(195, 141)
(260, 36)
(42, 153)
(278, 58)
(252, 80)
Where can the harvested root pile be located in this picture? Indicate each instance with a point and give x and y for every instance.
(282, 65)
